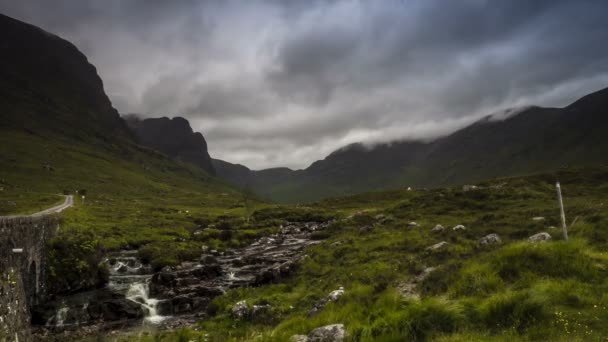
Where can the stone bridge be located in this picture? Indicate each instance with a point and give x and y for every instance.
(23, 241)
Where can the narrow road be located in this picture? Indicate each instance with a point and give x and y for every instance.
(69, 201)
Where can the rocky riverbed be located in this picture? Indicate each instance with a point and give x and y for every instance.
(136, 296)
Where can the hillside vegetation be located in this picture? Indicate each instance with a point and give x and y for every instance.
(135, 198)
(516, 290)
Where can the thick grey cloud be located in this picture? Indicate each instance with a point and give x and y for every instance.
(283, 83)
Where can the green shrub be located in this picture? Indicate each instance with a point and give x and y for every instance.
(418, 322)
(555, 259)
(75, 262)
(516, 310)
(476, 280)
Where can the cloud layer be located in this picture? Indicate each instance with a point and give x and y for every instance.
(283, 83)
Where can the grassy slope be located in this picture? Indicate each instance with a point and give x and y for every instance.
(135, 198)
(518, 291)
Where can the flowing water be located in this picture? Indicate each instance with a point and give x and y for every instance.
(131, 278)
(180, 295)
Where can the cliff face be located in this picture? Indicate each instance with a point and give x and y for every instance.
(47, 85)
(173, 137)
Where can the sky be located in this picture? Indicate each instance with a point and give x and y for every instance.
(284, 83)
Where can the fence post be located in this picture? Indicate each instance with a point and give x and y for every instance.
(562, 213)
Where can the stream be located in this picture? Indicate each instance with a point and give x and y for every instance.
(137, 296)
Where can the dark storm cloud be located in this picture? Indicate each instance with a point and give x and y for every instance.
(274, 83)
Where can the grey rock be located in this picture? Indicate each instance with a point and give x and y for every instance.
(335, 295)
(331, 297)
(424, 274)
(412, 224)
(540, 237)
(490, 239)
(437, 246)
(240, 310)
(208, 259)
(328, 333)
(258, 309)
(459, 227)
(298, 338)
(438, 228)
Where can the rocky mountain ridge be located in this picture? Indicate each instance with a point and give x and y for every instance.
(173, 137)
(534, 139)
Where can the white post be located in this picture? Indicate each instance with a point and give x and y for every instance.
(561, 207)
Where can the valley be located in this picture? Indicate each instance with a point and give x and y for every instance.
(123, 227)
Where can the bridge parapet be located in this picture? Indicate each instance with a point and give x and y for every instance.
(23, 241)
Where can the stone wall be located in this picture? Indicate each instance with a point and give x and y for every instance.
(23, 243)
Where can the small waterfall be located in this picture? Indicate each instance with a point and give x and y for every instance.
(139, 293)
(129, 276)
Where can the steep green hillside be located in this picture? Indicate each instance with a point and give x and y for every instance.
(60, 134)
(135, 198)
(512, 291)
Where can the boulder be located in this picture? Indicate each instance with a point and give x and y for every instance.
(331, 297)
(122, 269)
(328, 333)
(424, 274)
(437, 246)
(240, 310)
(334, 295)
(164, 307)
(181, 304)
(120, 308)
(438, 228)
(208, 259)
(540, 237)
(412, 224)
(490, 239)
(257, 309)
(459, 227)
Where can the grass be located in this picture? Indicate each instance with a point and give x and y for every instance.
(138, 199)
(515, 291)
(135, 199)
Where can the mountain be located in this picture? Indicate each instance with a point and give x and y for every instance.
(60, 133)
(173, 137)
(47, 85)
(524, 141)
